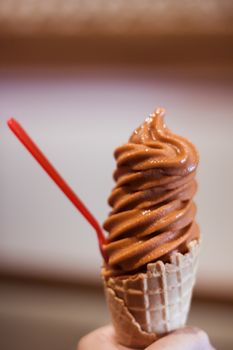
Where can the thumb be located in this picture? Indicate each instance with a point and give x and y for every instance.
(188, 338)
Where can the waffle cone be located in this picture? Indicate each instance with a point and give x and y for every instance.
(146, 306)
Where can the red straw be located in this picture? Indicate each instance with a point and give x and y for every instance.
(56, 177)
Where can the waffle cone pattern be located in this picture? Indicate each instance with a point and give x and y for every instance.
(146, 306)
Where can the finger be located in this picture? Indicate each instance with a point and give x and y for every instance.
(100, 339)
(188, 338)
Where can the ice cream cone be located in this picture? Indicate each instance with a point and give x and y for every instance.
(146, 306)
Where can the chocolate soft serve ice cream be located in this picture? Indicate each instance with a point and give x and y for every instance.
(153, 211)
(153, 237)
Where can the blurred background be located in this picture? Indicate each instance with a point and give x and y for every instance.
(80, 77)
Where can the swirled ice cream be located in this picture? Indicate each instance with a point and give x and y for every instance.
(153, 213)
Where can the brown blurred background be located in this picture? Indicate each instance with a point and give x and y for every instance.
(80, 76)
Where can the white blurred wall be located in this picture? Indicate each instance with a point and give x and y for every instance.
(78, 117)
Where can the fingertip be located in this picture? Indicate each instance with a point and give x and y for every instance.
(97, 339)
(190, 338)
(201, 337)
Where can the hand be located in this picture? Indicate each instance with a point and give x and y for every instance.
(188, 338)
